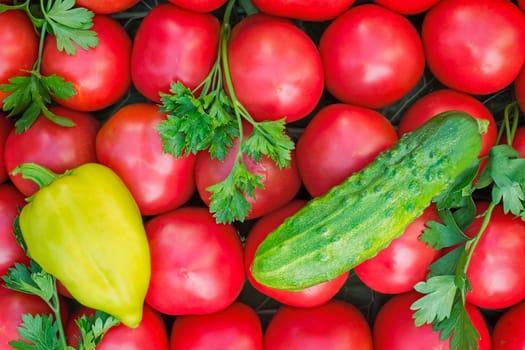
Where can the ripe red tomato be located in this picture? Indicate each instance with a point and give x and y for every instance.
(474, 46)
(6, 125)
(280, 185)
(508, 331)
(101, 75)
(11, 200)
(129, 144)
(408, 7)
(106, 6)
(397, 268)
(519, 89)
(236, 327)
(19, 44)
(173, 44)
(444, 100)
(372, 56)
(276, 69)
(55, 147)
(336, 325)
(14, 305)
(307, 10)
(197, 264)
(519, 141)
(199, 5)
(340, 140)
(309, 297)
(496, 272)
(151, 333)
(394, 327)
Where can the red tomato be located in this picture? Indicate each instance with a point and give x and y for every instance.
(336, 325)
(55, 147)
(394, 327)
(106, 6)
(151, 333)
(199, 5)
(312, 296)
(444, 100)
(129, 144)
(372, 56)
(340, 140)
(173, 44)
(496, 272)
(308, 10)
(408, 7)
(236, 327)
(101, 75)
(519, 141)
(19, 44)
(6, 125)
(11, 200)
(474, 46)
(508, 331)
(14, 305)
(397, 268)
(276, 69)
(197, 264)
(519, 89)
(280, 185)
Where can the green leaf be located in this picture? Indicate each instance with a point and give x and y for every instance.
(20, 96)
(446, 264)
(269, 138)
(441, 235)
(93, 328)
(71, 25)
(58, 87)
(436, 304)
(30, 279)
(228, 198)
(459, 328)
(40, 330)
(459, 191)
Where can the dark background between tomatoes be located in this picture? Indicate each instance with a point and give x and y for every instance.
(353, 291)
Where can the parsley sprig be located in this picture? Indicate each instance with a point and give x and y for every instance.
(31, 93)
(208, 118)
(443, 304)
(45, 331)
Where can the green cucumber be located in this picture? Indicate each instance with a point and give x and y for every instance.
(361, 216)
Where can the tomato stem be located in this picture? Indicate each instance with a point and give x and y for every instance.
(40, 175)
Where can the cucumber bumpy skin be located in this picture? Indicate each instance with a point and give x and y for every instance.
(361, 216)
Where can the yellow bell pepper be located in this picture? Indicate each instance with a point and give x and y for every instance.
(84, 228)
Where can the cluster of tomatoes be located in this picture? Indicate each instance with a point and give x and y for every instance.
(350, 77)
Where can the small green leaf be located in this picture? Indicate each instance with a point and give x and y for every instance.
(40, 330)
(30, 279)
(459, 328)
(441, 235)
(269, 138)
(436, 304)
(446, 264)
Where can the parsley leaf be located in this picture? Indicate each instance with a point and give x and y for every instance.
(92, 329)
(40, 330)
(31, 280)
(459, 328)
(441, 235)
(436, 305)
(71, 25)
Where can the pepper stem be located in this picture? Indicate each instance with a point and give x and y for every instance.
(37, 173)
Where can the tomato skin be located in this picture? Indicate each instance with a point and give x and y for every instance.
(496, 271)
(379, 76)
(508, 331)
(197, 264)
(486, 37)
(408, 7)
(397, 268)
(173, 44)
(394, 327)
(199, 5)
(14, 305)
(518, 143)
(10, 251)
(443, 100)
(97, 85)
(280, 185)
(519, 89)
(151, 332)
(106, 6)
(307, 10)
(309, 297)
(130, 145)
(55, 147)
(19, 43)
(336, 325)
(340, 140)
(6, 125)
(276, 69)
(236, 327)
